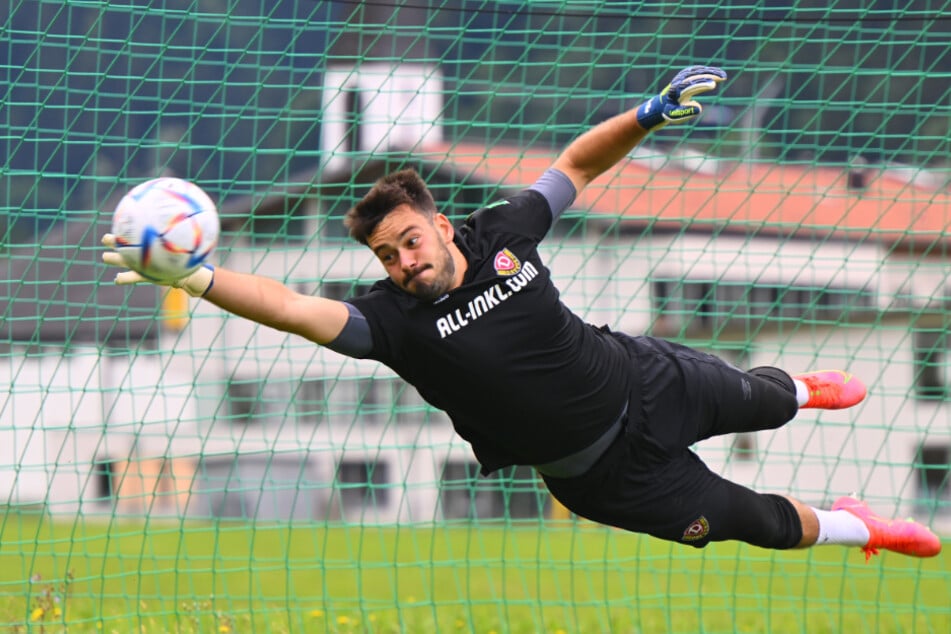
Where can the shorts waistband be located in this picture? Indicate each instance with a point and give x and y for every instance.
(580, 462)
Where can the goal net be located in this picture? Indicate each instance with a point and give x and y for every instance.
(167, 467)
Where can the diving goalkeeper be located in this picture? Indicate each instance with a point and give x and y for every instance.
(471, 318)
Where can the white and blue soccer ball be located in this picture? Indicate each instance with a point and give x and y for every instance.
(165, 228)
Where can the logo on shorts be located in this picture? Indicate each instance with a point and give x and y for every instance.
(747, 390)
(697, 530)
(506, 263)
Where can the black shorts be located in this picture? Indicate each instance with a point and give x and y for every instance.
(649, 481)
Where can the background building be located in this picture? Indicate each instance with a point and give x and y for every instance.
(802, 222)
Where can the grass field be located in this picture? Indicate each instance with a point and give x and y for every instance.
(116, 576)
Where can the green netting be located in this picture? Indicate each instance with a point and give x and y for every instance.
(166, 468)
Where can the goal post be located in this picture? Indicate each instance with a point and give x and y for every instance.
(167, 467)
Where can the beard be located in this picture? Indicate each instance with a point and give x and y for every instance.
(445, 269)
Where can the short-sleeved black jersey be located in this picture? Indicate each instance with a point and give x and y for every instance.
(523, 379)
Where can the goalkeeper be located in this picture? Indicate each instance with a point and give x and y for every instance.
(470, 317)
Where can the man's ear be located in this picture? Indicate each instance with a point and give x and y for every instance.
(444, 226)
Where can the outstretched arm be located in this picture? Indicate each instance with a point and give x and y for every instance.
(273, 304)
(253, 297)
(592, 153)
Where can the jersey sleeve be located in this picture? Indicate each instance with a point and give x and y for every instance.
(557, 189)
(375, 328)
(355, 340)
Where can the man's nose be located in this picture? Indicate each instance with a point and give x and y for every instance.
(408, 260)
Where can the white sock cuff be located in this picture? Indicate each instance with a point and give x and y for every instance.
(840, 527)
(802, 392)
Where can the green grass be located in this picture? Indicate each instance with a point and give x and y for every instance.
(474, 577)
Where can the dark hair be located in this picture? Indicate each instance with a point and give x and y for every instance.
(404, 187)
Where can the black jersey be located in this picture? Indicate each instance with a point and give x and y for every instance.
(523, 379)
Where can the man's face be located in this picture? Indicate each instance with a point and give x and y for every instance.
(414, 250)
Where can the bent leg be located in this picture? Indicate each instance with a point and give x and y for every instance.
(689, 396)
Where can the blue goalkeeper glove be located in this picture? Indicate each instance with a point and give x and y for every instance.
(675, 103)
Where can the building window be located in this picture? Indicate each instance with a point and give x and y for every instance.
(104, 478)
(365, 399)
(362, 484)
(344, 289)
(930, 355)
(510, 493)
(310, 401)
(687, 306)
(933, 467)
(243, 402)
(276, 400)
(408, 405)
(381, 400)
(314, 400)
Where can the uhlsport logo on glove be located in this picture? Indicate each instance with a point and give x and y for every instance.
(675, 102)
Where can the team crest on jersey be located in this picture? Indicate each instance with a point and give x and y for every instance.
(698, 529)
(506, 263)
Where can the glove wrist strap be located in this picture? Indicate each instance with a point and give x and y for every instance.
(650, 114)
(198, 283)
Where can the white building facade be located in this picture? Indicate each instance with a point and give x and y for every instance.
(228, 418)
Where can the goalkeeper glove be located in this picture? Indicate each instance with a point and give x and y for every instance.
(196, 284)
(675, 103)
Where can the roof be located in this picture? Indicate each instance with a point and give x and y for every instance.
(60, 291)
(47, 301)
(794, 200)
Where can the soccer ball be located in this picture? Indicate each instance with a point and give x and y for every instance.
(165, 228)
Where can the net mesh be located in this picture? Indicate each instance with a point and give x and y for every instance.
(166, 467)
